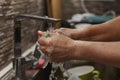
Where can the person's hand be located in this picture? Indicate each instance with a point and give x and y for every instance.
(59, 47)
(72, 33)
(76, 34)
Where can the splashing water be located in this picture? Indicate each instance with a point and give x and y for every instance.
(55, 67)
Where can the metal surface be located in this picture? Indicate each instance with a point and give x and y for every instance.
(37, 17)
(22, 64)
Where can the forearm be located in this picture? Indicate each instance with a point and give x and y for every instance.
(108, 31)
(101, 52)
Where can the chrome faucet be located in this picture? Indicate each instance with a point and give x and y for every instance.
(21, 64)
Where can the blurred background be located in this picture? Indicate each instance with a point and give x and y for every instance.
(73, 14)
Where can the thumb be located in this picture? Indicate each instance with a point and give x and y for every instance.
(40, 33)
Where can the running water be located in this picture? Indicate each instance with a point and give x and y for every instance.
(56, 66)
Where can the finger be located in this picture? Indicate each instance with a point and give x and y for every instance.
(56, 30)
(40, 33)
(61, 31)
(47, 49)
(43, 48)
(50, 50)
(43, 41)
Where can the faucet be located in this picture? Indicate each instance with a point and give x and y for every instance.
(20, 63)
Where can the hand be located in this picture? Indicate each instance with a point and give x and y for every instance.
(72, 33)
(76, 34)
(60, 47)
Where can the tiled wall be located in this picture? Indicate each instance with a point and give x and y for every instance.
(9, 8)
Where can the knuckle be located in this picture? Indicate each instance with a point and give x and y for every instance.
(49, 50)
(50, 43)
(62, 28)
(39, 41)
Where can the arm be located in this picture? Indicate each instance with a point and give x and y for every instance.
(108, 31)
(62, 48)
(101, 52)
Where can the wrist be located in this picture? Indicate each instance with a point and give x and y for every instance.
(81, 34)
(84, 50)
(74, 34)
(79, 49)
